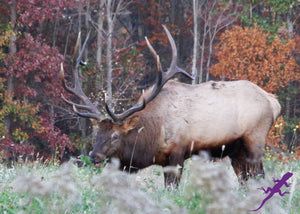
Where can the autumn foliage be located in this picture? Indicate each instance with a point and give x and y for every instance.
(248, 53)
(251, 54)
(26, 124)
(37, 35)
(30, 132)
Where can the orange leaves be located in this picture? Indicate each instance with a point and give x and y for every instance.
(247, 53)
(276, 134)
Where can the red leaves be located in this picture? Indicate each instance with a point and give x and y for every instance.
(12, 149)
(34, 69)
(54, 140)
(34, 63)
(29, 132)
(37, 11)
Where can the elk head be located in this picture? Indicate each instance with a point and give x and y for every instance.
(111, 130)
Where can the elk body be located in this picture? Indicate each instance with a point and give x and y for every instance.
(172, 120)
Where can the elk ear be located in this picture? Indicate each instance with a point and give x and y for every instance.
(130, 123)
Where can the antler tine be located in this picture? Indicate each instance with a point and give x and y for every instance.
(77, 90)
(87, 115)
(77, 45)
(174, 50)
(160, 75)
(161, 79)
(174, 69)
(120, 117)
(154, 54)
(76, 104)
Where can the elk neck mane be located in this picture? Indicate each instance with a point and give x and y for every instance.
(140, 145)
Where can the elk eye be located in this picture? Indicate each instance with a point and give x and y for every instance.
(114, 136)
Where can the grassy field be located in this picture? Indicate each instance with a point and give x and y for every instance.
(206, 187)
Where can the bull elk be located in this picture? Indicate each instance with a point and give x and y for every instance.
(172, 121)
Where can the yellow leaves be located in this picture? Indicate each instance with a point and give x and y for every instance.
(19, 135)
(5, 39)
(36, 125)
(276, 135)
(22, 114)
(5, 36)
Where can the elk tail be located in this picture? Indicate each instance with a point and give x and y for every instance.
(275, 105)
(276, 108)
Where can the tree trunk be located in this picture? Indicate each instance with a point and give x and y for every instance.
(109, 52)
(99, 85)
(179, 20)
(200, 76)
(173, 13)
(54, 32)
(195, 47)
(209, 58)
(12, 51)
(289, 23)
(87, 26)
(250, 12)
(12, 44)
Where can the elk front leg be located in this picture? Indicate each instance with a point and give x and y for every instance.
(173, 171)
(172, 179)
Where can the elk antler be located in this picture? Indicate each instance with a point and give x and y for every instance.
(77, 90)
(161, 79)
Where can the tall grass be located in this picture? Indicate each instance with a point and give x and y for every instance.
(206, 187)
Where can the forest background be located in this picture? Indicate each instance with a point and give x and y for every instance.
(216, 40)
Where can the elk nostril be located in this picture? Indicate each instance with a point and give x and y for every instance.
(97, 158)
(94, 160)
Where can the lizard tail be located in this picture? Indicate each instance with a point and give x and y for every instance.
(263, 202)
(258, 207)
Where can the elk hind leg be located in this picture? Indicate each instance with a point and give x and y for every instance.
(256, 147)
(245, 169)
(246, 162)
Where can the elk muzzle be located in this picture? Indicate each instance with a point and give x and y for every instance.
(96, 157)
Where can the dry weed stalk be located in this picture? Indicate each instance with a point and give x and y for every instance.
(122, 194)
(211, 185)
(213, 182)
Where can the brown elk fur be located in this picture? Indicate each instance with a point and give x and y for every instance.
(184, 119)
